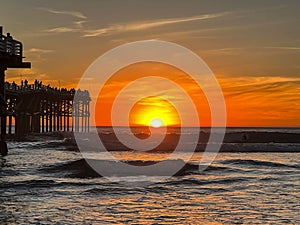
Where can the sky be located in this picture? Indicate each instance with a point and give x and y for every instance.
(252, 47)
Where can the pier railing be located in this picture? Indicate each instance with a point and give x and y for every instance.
(10, 46)
(11, 52)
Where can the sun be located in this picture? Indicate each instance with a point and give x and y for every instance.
(156, 123)
(153, 111)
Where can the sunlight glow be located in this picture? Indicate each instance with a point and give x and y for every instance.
(155, 112)
(157, 122)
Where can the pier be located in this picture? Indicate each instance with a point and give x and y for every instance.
(36, 108)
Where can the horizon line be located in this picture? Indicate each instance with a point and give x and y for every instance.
(261, 127)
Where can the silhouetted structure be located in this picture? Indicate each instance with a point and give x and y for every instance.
(11, 56)
(39, 108)
(36, 107)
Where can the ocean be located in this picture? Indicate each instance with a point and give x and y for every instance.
(253, 180)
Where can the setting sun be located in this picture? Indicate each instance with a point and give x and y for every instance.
(157, 122)
(160, 104)
(155, 112)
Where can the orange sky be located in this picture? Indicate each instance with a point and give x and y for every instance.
(147, 107)
(252, 47)
(250, 102)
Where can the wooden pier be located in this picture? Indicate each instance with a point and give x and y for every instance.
(36, 108)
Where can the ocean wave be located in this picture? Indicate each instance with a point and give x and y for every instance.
(252, 162)
(214, 168)
(232, 135)
(41, 144)
(74, 169)
(246, 141)
(28, 184)
(45, 183)
(81, 169)
(199, 182)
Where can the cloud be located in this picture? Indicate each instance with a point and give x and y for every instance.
(262, 100)
(224, 51)
(148, 24)
(261, 86)
(125, 27)
(75, 14)
(284, 48)
(241, 50)
(38, 54)
(62, 30)
(79, 23)
(76, 28)
(38, 50)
